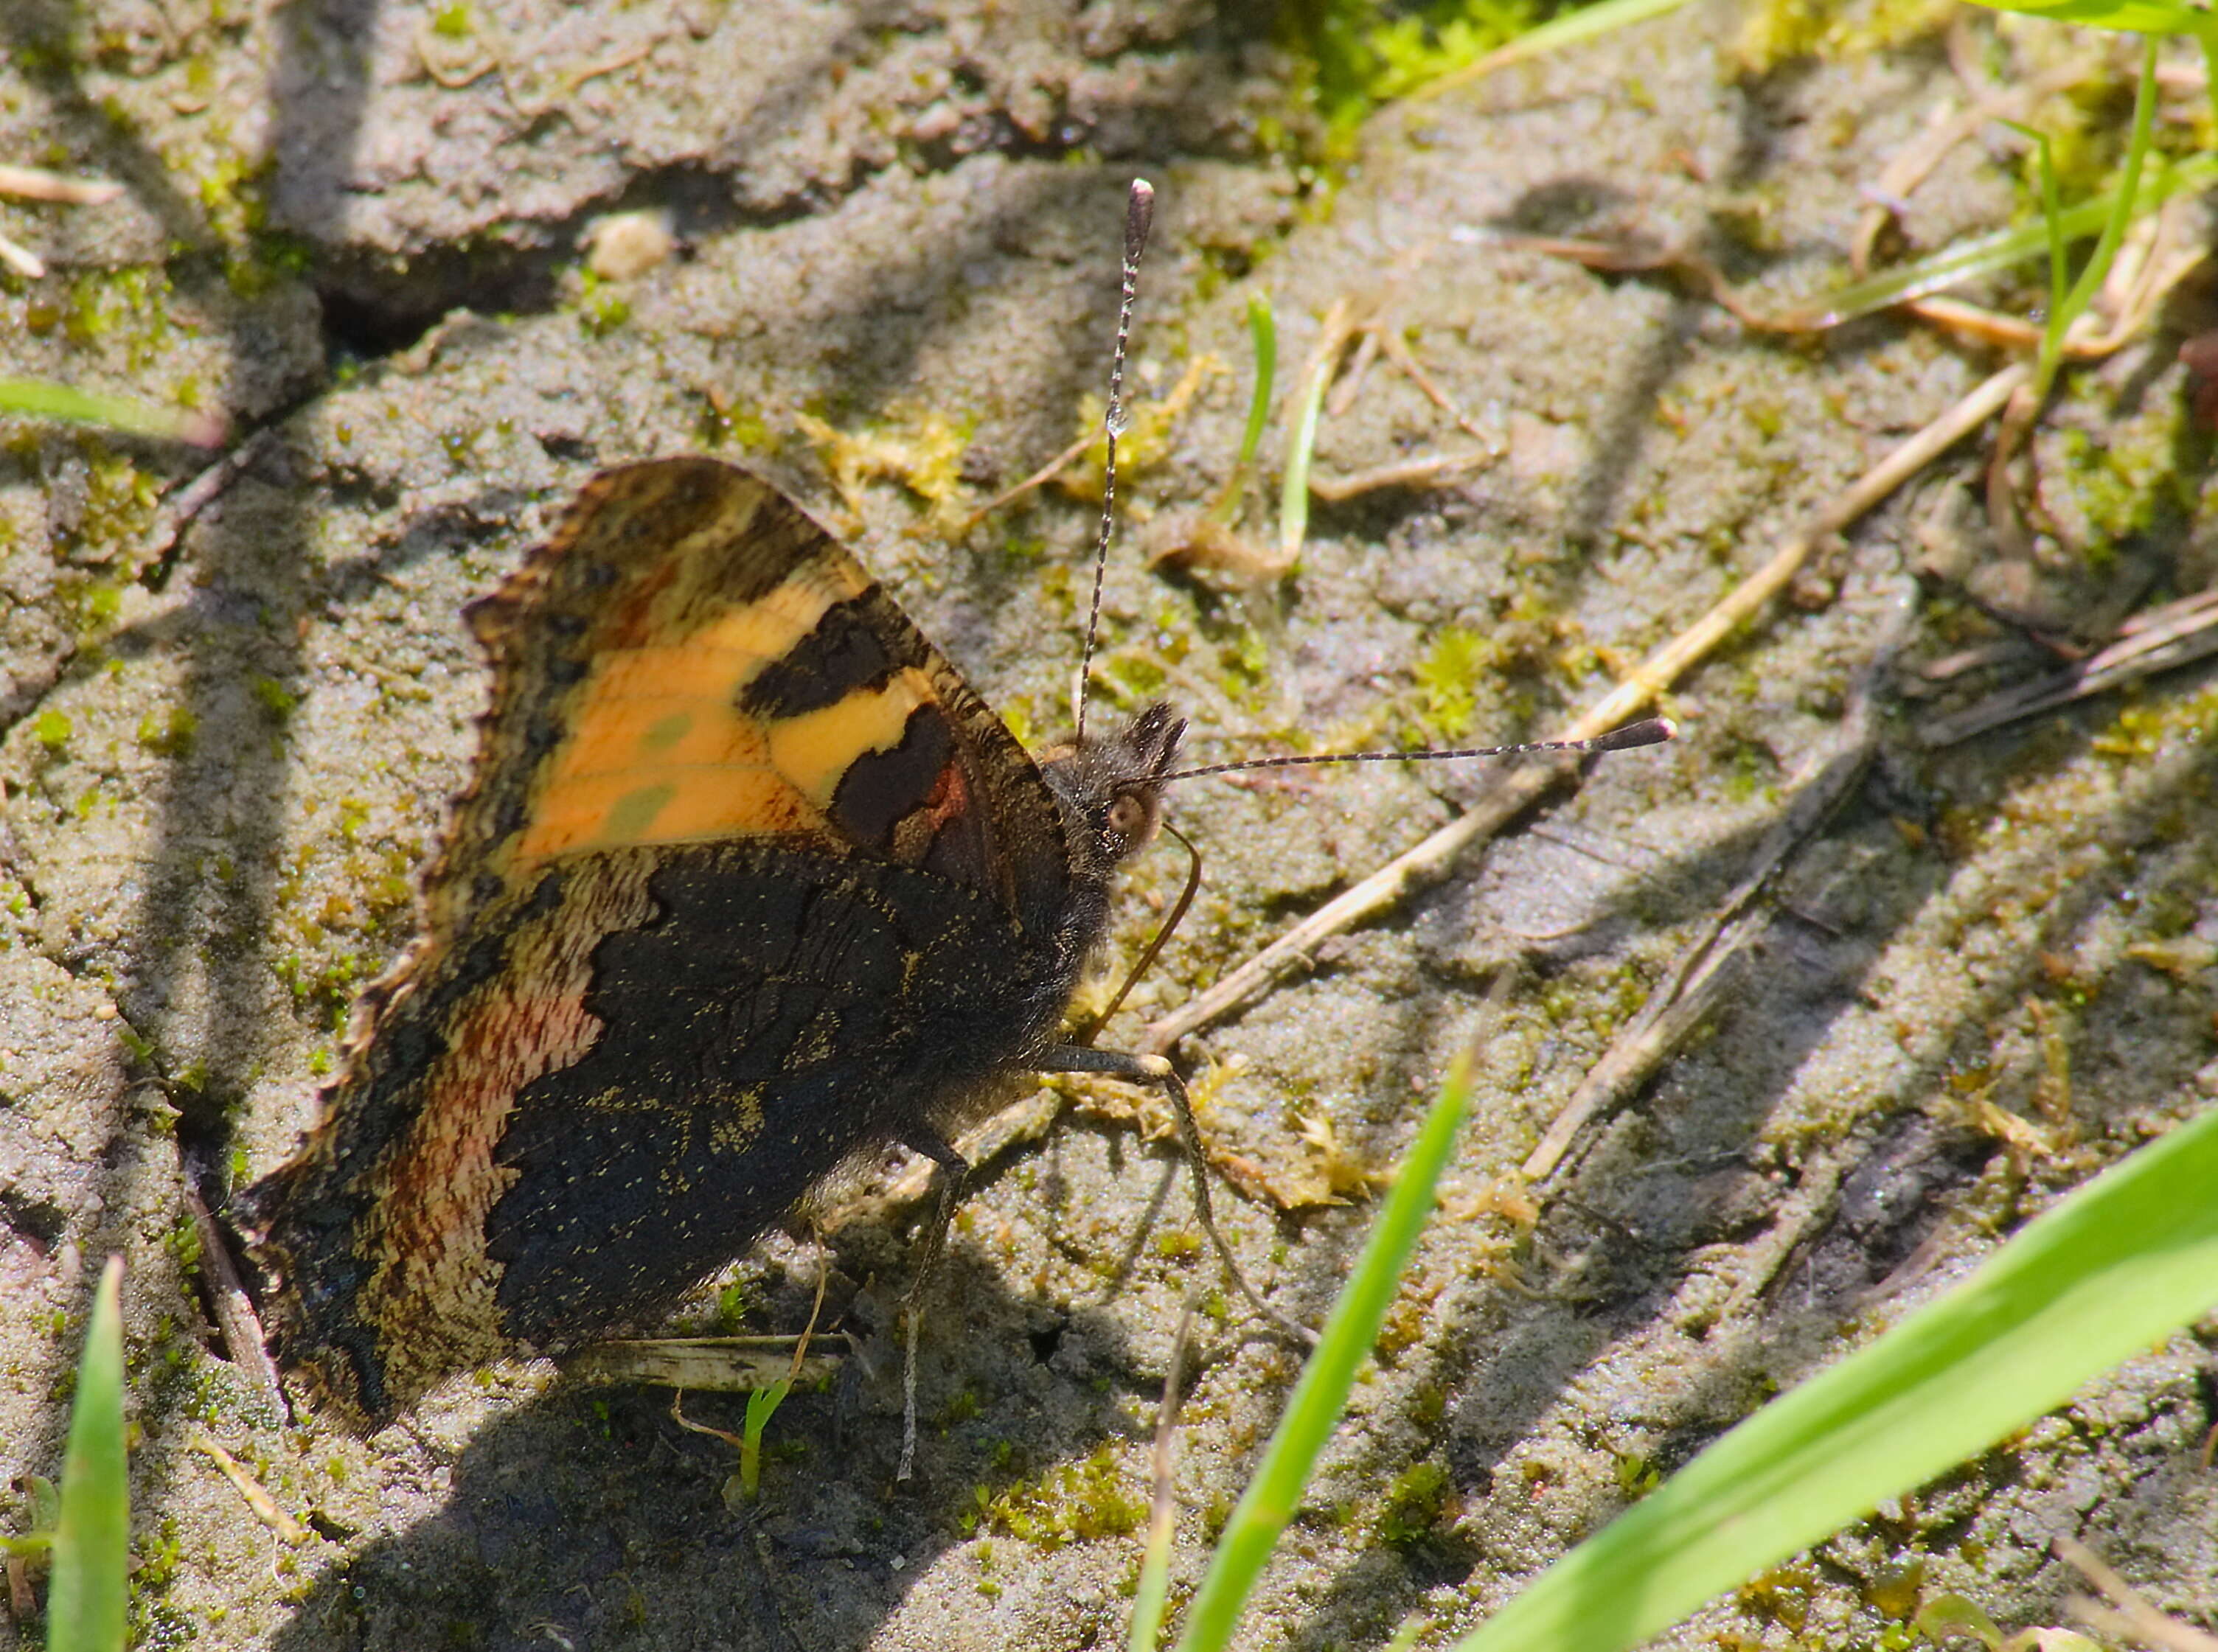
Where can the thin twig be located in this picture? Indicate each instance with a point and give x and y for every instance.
(1518, 789)
(608, 65)
(265, 1507)
(1407, 472)
(2148, 1627)
(21, 259)
(1398, 352)
(178, 510)
(1764, 1261)
(1340, 325)
(1162, 1502)
(2146, 281)
(36, 183)
(235, 1317)
(1358, 369)
(1946, 128)
(1045, 474)
(2135, 1618)
(1986, 326)
(2155, 641)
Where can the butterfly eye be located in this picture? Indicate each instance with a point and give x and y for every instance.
(1127, 816)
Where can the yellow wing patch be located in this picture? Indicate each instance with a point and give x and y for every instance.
(658, 750)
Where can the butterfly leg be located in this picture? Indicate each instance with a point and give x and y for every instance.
(954, 1180)
(1156, 1072)
(954, 1175)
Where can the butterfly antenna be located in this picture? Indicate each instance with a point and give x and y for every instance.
(1139, 218)
(1649, 731)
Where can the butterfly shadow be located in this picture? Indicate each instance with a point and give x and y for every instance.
(169, 977)
(593, 1517)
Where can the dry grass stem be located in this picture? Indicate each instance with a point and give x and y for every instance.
(235, 1318)
(21, 259)
(36, 183)
(1947, 126)
(1040, 478)
(1520, 788)
(733, 1364)
(265, 1508)
(2133, 1619)
(177, 511)
(1407, 472)
(2154, 641)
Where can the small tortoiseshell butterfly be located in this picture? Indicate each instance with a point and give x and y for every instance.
(749, 881)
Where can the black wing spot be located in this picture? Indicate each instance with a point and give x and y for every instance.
(843, 652)
(881, 787)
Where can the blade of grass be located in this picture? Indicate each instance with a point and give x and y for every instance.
(37, 398)
(1314, 1408)
(1152, 1597)
(762, 1406)
(1263, 329)
(2206, 33)
(2128, 16)
(1986, 253)
(2126, 1259)
(1572, 28)
(2051, 211)
(91, 1591)
(1301, 440)
(2069, 308)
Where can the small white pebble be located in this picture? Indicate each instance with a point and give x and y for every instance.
(629, 244)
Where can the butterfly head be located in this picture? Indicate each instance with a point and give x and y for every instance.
(1111, 787)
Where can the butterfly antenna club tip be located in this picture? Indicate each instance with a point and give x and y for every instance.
(1649, 731)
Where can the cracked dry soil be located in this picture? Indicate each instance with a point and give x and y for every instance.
(224, 757)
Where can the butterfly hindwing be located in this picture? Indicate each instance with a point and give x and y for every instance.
(775, 1013)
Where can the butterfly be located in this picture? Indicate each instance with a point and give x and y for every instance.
(748, 884)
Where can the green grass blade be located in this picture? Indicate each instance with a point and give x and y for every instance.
(1314, 1410)
(2097, 270)
(36, 399)
(2206, 32)
(762, 1406)
(2126, 1259)
(1263, 328)
(1986, 253)
(1150, 1598)
(1151, 1595)
(91, 1591)
(2052, 210)
(1572, 28)
(2132, 16)
(1301, 447)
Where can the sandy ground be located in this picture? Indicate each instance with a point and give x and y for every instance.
(224, 757)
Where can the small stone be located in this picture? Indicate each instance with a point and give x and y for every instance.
(625, 245)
